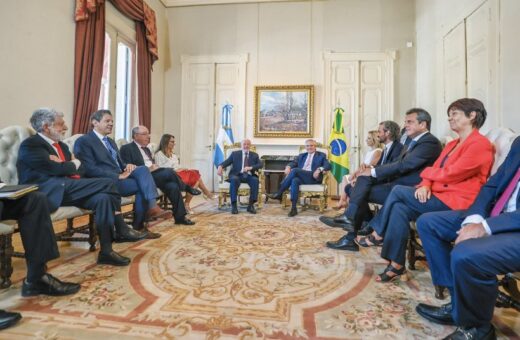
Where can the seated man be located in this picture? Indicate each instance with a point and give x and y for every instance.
(44, 160)
(486, 238)
(39, 242)
(358, 209)
(374, 185)
(307, 168)
(166, 179)
(100, 155)
(244, 165)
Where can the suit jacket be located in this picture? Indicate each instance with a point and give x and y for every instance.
(493, 189)
(458, 181)
(131, 154)
(393, 153)
(96, 158)
(235, 160)
(35, 167)
(407, 168)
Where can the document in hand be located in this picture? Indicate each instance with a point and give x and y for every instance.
(13, 192)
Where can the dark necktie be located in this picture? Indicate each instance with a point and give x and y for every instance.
(148, 154)
(62, 157)
(111, 150)
(411, 145)
(502, 201)
(385, 153)
(246, 159)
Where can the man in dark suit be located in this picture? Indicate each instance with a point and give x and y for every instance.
(369, 189)
(423, 150)
(44, 160)
(100, 155)
(307, 168)
(166, 179)
(486, 238)
(32, 214)
(244, 165)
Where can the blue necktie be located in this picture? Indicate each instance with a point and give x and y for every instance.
(411, 145)
(112, 151)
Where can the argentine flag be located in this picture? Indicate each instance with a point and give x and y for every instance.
(225, 135)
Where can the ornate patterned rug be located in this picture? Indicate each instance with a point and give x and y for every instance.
(235, 277)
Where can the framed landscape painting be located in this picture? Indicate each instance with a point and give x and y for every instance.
(284, 111)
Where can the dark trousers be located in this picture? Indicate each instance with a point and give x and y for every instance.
(169, 183)
(296, 178)
(365, 191)
(99, 195)
(469, 269)
(393, 221)
(234, 184)
(34, 222)
(141, 184)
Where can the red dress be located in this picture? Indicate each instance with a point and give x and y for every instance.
(189, 176)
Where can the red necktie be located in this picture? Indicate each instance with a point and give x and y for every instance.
(502, 201)
(62, 157)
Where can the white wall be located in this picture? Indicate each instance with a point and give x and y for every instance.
(37, 60)
(434, 20)
(285, 42)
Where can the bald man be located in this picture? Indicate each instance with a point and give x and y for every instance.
(244, 166)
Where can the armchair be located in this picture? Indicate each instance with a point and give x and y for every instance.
(243, 190)
(313, 191)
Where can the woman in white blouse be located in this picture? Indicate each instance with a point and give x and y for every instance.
(165, 158)
(374, 152)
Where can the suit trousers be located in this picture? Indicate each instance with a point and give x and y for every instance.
(393, 221)
(366, 190)
(296, 177)
(234, 184)
(470, 268)
(34, 222)
(99, 195)
(169, 183)
(141, 184)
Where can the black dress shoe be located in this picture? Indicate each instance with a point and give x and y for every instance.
(480, 333)
(8, 319)
(275, 196)
(234, 209)
(113, 259)
(330, 222)
(346, 242)
(130, 235)
(441, 315)
(251, 209)
(49, 285)
(365, 231)
(185, 221)
(193, 191)
(293, 212)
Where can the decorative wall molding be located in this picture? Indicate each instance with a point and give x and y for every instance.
(182, 3)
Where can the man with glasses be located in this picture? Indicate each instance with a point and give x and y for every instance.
(307, 168)
(166, 179)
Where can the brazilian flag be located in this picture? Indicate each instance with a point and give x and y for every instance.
(338, 156)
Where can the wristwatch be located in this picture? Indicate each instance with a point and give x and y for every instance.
(320, 168)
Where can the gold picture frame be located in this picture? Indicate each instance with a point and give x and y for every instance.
(284, 111)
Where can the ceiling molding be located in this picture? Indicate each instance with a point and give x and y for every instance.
(181, 3)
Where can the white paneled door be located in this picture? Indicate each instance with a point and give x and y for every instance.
(208, 83)
(360, 83)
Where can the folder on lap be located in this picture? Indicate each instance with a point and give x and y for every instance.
(13, 192)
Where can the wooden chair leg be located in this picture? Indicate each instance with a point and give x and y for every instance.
(6, 265)
(92, 233)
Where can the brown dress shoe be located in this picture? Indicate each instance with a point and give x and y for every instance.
(157, 213)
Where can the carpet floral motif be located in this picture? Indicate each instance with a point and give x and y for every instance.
(232, 277)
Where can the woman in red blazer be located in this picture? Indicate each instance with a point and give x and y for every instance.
(452, 182)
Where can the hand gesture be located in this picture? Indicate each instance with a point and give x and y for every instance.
(469, 231)
(130, 167)
(316, 174)
(287, 170)
(220, 170)
(124, 174)
(55, 158)
(422, 194)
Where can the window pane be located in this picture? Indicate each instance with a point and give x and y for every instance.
(123, 91)
(105, 80)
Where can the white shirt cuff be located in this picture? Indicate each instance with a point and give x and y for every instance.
(486, 227)
(76, 162)
(373, 173)
(476, 219)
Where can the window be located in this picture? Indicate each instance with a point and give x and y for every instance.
(118, 90)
